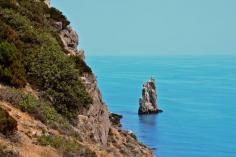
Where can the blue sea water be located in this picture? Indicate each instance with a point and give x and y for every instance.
(197, 94)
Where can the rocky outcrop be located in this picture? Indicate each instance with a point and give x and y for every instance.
(70, 38)
(70, 41)
(148, 101)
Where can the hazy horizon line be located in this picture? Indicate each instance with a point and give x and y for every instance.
(153, 55)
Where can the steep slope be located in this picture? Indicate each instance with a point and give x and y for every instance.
(57, 105)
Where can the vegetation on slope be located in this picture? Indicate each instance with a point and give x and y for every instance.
(27, 103)
(69, 147)
(31, 52)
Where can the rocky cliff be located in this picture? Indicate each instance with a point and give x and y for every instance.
(93, 124)
(96, 125)
(50, 96)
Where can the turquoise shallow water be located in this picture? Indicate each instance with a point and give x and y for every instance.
(197, 94)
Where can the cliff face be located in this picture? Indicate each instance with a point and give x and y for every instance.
(93, 124)
(41, 122)
(96, 125)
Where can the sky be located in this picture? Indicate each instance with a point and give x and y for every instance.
(153, 27)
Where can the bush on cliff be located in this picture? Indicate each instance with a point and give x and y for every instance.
(40, 57)
(52, 72)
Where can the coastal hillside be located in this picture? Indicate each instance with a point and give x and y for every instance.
(50, 105)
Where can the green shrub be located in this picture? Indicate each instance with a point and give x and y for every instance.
(54, 73)
(66, 145)
(11, 68)
(23, 26)
(15, 20)
(8, 125)
(37, 16)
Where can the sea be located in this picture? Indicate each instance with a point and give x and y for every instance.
(197, 94)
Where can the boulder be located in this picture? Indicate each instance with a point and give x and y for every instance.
(148, 101)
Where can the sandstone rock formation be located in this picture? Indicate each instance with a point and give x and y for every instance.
(148, 102)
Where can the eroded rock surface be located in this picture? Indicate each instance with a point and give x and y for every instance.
(94, 123)
(148, 102)
(70, 41)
